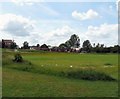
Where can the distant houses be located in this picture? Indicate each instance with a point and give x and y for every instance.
(64, 47)
(5, 43)
(54, 49)
(34, 48)
(71, 45)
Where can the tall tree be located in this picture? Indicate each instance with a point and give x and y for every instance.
(26, 45)
(74, 41)
(87, 46)
(38, 45)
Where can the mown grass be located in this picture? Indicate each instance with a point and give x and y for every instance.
(26, 84)
(63, 61)
(85, 74)
(67, 66)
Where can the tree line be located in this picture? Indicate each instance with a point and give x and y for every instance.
(72, 45)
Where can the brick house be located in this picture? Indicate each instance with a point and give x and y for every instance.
(7, 43)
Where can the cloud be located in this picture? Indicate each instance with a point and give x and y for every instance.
(64, 31)
(59, 35)
(26, 2)
(90, 14)
(105, 33)
(23, 29)
(103, 30)
(16, 25)
(117, 3)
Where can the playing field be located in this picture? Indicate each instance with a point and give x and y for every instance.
(49, 74)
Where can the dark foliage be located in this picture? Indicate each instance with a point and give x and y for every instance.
(13, 45)
(87, 46)
(18, 58)
(25, 45)
(88, 75)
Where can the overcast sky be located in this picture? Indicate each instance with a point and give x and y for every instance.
(54, 22)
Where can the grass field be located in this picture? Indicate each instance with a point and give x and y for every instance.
(41, 75)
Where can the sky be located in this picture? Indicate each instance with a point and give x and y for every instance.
(53, 23)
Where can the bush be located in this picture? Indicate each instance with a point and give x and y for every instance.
(88, 75)
(108, 64)
(18, 58)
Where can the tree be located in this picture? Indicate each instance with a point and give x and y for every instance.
(115, 49)
(26, 45)
(94, 45)
(98, 45)
(67, 44)
(74, 41)
(13, 45)
(87, 46)
(38, 45)
(63, 47)
(44, 46)
(99, 48)
(3, 44)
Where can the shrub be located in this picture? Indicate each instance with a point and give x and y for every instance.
(88, 75)
(108, 64)
(18, 58)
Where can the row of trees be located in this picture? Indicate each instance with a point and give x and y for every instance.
(99, 48)
(71, 45)
(87, 47)
(74, 42)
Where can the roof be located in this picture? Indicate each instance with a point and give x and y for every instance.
(7, 41)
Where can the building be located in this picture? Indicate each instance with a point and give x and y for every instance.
(73, 49)
(34, 48)
(7, 43)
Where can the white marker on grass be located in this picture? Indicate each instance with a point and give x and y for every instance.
(71, 66)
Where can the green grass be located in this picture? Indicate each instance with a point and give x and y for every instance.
(63, 61)
(25, 79)
(18, 84)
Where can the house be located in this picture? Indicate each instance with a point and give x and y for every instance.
(7, 43)
(73, 49)
(44, 47)
(34, 48)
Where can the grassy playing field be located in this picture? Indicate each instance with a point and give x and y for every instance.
(59, 74)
